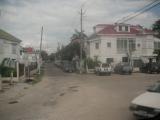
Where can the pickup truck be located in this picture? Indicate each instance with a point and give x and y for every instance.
(103, 69)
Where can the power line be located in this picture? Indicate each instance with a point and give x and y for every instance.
(141, 11)
(137, 11)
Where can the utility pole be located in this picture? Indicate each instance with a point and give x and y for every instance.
(81, 38)
(0, 73)
(40, 56)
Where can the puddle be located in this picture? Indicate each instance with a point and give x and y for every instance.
(74, 90)
(73, 87)
(13, 102)
(62, 94)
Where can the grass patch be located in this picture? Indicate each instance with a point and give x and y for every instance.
(38, 77)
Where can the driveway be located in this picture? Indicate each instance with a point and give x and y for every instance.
(69, 96)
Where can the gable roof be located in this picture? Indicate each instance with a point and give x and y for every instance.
(6, 36)
(134, 29)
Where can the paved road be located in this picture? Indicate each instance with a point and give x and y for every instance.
(62, 96)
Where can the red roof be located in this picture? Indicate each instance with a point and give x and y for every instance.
(134, 29)
(29, 49)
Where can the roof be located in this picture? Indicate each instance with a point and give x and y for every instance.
(134, 29)
(6, 36)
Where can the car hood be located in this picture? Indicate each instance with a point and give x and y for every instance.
(148, 99)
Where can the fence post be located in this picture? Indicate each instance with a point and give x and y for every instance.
(17, 71)
(11, 81)
(0, 83)
(24, 71)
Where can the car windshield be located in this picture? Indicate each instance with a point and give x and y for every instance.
(155, 88)
(105, 65)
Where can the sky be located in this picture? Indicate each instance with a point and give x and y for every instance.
(60, 18)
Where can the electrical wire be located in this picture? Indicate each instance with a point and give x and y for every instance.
(141, 11)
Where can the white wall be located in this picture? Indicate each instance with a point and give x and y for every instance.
(145, 48)
(6, 51)
(1, 50)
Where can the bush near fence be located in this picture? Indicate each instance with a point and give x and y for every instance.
(6, 71)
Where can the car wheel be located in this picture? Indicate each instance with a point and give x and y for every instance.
(157, 117)
(130, 73)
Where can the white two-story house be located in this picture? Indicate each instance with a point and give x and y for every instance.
(114, 43)
(9, 47)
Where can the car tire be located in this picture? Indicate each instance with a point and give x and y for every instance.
(157, 117)
(130, 73)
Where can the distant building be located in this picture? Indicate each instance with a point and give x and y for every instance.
(114, 43)
(31, 59)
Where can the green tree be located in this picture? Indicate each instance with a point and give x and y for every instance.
(52, 56)
(157, 51)
(156, 28)
(69, 51)
(78, 35)
(44, 55)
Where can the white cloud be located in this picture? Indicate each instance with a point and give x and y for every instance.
(60, 17)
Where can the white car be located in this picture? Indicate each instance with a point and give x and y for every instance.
(103, 68)
(147, 105)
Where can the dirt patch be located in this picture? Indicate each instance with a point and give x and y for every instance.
(50, 103)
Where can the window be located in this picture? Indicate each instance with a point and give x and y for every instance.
(126, 44)
(124, 59)
(126, 28)
(132, 44)
(156, 45)
(14, 48)
(97, 45)
(95, 58)
(108, 44)
(109, 60)
(120, 28)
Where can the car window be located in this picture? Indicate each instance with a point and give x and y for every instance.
(105, 65)
(155, 88)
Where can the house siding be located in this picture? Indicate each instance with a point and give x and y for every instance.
(144, 46)
(7, 50)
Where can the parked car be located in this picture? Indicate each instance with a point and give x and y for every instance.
(152, 67)
(68, 66)
(103, 69)
(123, 68)
(147, 105)
(58, 63)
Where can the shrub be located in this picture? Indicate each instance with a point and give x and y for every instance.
(6, 71)
(91, 63)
